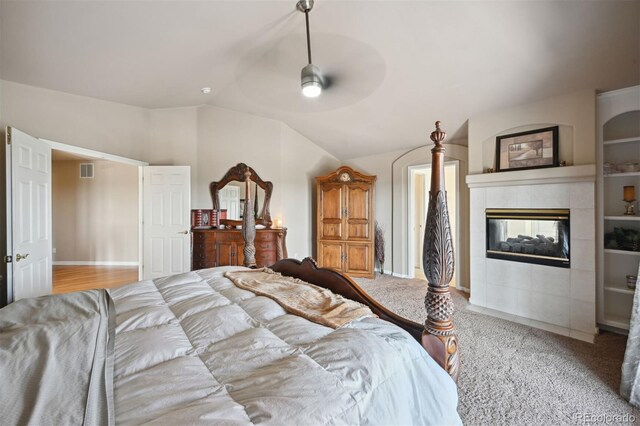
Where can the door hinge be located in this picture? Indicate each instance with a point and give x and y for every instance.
(8, 135)
(8, 259)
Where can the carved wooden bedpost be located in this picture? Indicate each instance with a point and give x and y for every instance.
(438, 337)
(248, 224)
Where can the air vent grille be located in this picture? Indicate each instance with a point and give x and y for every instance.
(86, 171)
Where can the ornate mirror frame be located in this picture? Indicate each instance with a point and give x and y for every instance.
(237, 173)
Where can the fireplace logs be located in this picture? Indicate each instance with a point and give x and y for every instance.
(541, 245)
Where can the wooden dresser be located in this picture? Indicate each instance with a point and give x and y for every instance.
(223, 247)
(346, 222)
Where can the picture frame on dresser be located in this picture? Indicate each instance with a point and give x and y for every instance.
(203, 218)
(533, 149)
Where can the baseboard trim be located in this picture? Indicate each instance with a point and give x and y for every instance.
(465, 289)
(93, 263)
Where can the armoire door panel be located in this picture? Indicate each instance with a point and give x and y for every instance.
(331, 230)
(358, 230)
(345, 218)
(331, 255)
(358, 198)
(358, 259)
(331, 202)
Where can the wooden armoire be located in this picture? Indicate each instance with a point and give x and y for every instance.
(345, 222)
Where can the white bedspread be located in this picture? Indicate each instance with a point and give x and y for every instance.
(193, 348)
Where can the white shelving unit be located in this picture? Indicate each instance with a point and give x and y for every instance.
(629, 218)
(618, 142)
(627, 174)
(623, 140)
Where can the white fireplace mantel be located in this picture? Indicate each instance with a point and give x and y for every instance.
(567, 174)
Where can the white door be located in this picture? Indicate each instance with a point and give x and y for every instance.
(229, 197)
(28, 216)
(167, 220)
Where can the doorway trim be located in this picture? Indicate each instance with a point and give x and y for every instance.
(400, 206)
(411, 266)
(118, 159)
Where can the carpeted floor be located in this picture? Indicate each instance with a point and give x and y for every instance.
(513, 374)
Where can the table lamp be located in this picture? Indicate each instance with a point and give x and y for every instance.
(629, 198)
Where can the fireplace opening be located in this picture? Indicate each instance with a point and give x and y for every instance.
(539, 236)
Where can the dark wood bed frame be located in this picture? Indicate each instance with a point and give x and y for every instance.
(437, 335)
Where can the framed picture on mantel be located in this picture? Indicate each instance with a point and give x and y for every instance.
(527, 150)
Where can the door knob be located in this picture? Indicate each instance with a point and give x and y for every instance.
(19, 257)
(183, 232)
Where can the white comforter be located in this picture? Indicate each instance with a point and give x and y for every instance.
(193, 348)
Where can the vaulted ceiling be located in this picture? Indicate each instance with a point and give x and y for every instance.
(395, 66)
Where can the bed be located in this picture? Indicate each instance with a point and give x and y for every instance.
(198, 348)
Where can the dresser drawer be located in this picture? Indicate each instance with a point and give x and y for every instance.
(204, 254)
(266, 236)
(229, 236)
(202, 264)
(265, 245)
(201, 237)
(266, 258)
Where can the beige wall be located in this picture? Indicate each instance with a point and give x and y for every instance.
(392, 202)
(173, 141)
(277, 153)
(575, 114)
(380, 165)
(300, 162)
(76, 120)
(207, 138)
(95, 219)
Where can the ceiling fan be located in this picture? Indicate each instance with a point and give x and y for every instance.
(311, 78)
(351, 69)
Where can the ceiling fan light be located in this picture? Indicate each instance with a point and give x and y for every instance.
(311, 81)
(311, 90)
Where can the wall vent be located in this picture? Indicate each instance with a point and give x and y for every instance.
(86, 171)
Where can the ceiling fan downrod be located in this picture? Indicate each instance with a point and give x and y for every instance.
(311, 78)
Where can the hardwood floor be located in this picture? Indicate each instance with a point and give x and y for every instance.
(77, 278)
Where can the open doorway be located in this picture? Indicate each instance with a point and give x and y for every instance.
(95, 222)
(419, 185)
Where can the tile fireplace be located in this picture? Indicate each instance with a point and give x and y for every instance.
(560, 298)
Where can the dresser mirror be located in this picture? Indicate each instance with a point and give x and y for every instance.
(229, 194)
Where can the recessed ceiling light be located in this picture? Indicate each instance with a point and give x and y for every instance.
(205, 90)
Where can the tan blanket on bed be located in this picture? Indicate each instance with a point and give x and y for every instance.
(309, 301)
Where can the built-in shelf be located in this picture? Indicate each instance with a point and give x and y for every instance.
(628, 252)
(619, 290)
(616, 321)
(622, 174)
(619, 144)
(625, 140)
(632, 218)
